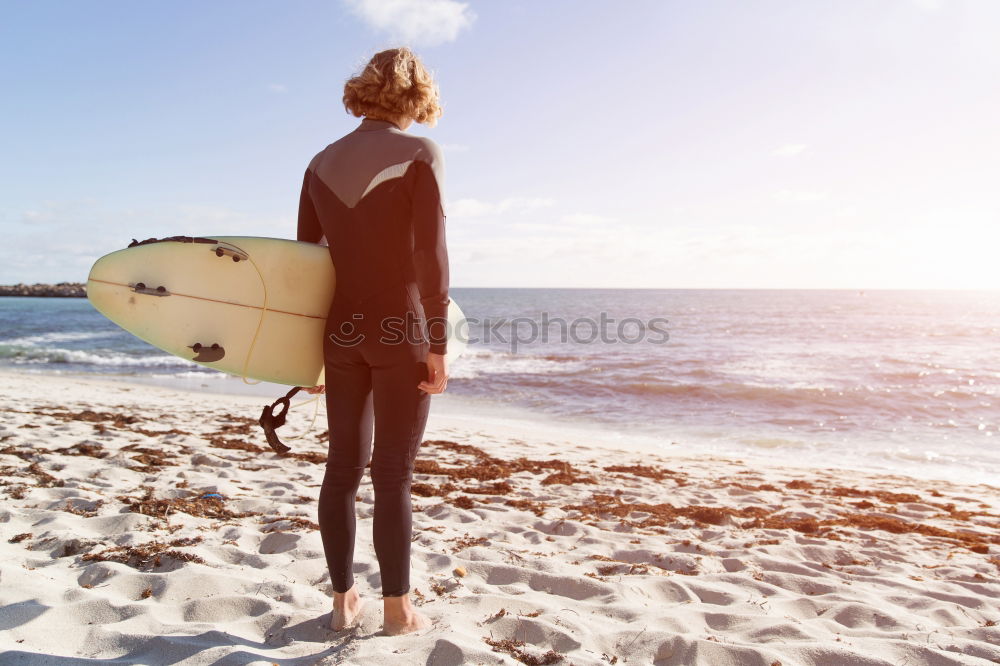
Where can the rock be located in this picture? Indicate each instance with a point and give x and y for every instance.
(61, 290)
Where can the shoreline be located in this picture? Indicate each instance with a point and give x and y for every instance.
(518, 423)
(524, 544)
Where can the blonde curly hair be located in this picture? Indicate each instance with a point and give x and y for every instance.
(394, 84)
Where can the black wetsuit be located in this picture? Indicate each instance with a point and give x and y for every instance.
(375, 198)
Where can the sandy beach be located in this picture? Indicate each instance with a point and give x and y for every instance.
(148, 525)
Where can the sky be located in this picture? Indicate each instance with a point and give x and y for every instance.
(588, 143)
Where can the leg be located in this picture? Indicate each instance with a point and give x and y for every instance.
(350, 415)
(400, 415)
(400, 410)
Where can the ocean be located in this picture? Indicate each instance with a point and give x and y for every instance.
(902, 382)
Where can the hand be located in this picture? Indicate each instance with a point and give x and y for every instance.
(437, 374)
(319, 388)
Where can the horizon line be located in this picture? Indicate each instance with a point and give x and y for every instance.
(858, 289)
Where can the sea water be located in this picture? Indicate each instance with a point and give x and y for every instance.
(889, 381)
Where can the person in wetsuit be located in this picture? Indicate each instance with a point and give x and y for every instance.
(375, 198)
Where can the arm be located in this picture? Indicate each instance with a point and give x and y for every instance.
(309, 229)
(430, 253)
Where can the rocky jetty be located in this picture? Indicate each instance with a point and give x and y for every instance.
(63, 289)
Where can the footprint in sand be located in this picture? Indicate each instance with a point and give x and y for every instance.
(279, 542)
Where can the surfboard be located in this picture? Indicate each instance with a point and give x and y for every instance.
(246, 305)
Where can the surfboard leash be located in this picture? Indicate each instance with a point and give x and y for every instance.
(268, 414)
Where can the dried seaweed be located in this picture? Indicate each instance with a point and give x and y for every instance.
(432, 490)
(69, 507)
(648, 471)
(273, 524)
(148, 555)
(512, 648)
(235, 444)
(45, 480)
(495, 488)
(463, 542)
(538, 508)
(463, 502)
(201, 507)
(86, 448)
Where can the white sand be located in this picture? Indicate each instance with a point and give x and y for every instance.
(585, 586)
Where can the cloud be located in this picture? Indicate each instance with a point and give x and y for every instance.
(789, 150)
(37, 216)
(58, 241)
(480, 208)
(427, 22)
(799, 196)
(587, 219)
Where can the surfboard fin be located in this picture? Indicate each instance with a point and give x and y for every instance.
(237, 255)
(141, 288)
(208, 353)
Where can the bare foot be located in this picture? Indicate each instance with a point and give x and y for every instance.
(409, 623)
(346, 608)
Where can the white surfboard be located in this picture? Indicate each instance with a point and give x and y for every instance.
(203, 299)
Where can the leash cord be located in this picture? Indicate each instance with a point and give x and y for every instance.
(256, 333)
